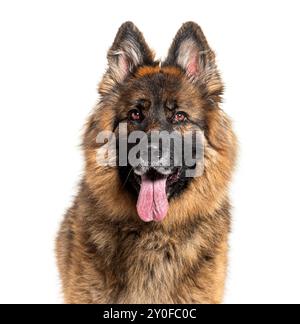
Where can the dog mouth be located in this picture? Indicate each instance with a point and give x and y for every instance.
(154, 191)
(171, 177)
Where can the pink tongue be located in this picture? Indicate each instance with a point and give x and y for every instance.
(152, 203)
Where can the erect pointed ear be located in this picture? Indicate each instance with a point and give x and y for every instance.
(191, 52)
(128, 51)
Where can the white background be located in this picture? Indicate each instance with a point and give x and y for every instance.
(52, 55)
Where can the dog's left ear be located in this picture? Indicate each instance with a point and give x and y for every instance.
(191, 52)
(129, 50)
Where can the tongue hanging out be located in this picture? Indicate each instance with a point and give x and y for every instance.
(152, 203)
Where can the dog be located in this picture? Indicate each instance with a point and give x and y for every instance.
(144, 233)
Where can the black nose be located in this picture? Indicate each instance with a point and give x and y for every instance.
(157, 153)
(154, 157)
(152, 153)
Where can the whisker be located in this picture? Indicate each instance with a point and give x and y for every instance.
(127, 178)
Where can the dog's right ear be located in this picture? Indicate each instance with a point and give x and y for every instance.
(128, 52)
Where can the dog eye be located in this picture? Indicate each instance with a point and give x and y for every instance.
(180, 117)
(135, 115)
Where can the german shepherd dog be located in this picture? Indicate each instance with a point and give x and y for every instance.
(148, 233)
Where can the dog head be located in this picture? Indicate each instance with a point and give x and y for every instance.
(143, 99)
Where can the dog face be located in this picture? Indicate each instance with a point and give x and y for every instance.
(176, 96)
(158, 99)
